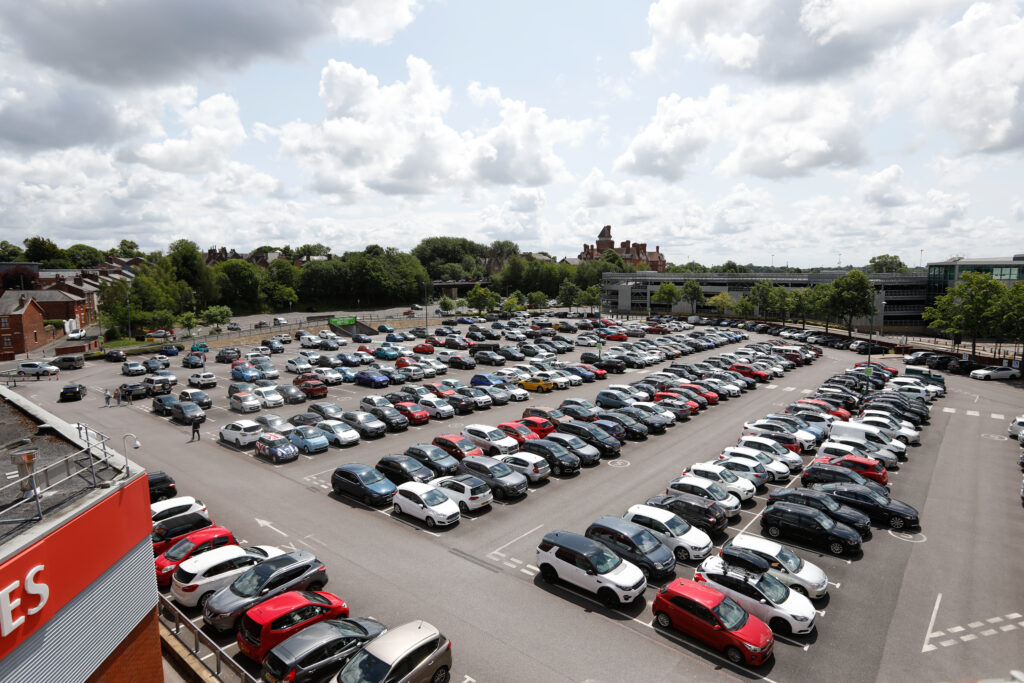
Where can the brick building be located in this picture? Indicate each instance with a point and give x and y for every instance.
(57, 304)
(633, 253)
(21, 323)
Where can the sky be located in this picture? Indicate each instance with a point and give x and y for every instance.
(774, 132)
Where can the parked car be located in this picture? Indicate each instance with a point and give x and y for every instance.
(241, 433)
(504, 482)
(275, 448)
(809, 525)
(426, 503)
(199, 577)
(878, 506)
(590, 565)
(194, 543)
(319, 651)
(275, 620)
(363, 482)
(415, 651)
(685, 541)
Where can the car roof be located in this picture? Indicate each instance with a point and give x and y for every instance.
(757, 543)
(277, 606)
(573, 541)
(698, 592)
(657, 514)
(161, 505)
(415, 486)
(203, 561)
(390, 646)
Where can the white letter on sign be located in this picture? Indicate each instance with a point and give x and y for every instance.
(32, 587)
(7, 606)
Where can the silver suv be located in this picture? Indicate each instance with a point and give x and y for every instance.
(504, 482)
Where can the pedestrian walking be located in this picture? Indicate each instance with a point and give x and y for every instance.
(117, 397)
(131, 398)
(106, 397)
(195, 429)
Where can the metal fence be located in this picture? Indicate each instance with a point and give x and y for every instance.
(215, 660)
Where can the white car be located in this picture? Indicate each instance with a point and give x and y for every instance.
(574, 380)
(297, 365)
(776, 471)
(438, 367)
(933, 389)
(328, 376)
(558, 381)
(466, 490)
(175, 507)
(1016, 427)
(655, 409)
(202, 380)
(773, 450)
(762, 595)
(514, 392)
(530, 465)
(806, 440)
(268, 397)
(426, 503)
(785, 565)
(705, 488)
(327, 334)
(490, 439)
(746, 468)
(75, 335)
(586, 340)
(338, 433)
(737, 486)
(241, 433)
(244, 402)
(199, 577)
(437, 408)
(891, 428)
(686, 542)
(371, 401)
(312, 357)
(309, 342)
(995, 372)
(911, 391)
(631, 391)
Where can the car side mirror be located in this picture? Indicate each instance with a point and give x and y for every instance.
(591, 572)
(763, 601)
(717, 627)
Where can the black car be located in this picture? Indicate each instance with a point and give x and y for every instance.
(115, 356)
(274, 345)
(855, 519)
(592, 436)
(318, 652)
(162, 405)
(133, 389)
(633, 428)
(366, 483)
(939, 361)
(581, 413)
(656, 424)
(702, 513)
(461, 404)
(489, 358)
(403, 468)
(821, 473)
(499, 397)
(558, 457)
(186, 412)
(326, 361)
(227, 355)
(73, 392)
(878, 506)
(809, 525)
(461, 362)
(192, 361)
(433, 458)
(634, 543)
(307, 419)
(395, 421)
(509, 353)
(161, 486)
(291, 394)
(329, 411)
(607, 364)
(960, 366)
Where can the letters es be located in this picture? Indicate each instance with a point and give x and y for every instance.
(8, 604)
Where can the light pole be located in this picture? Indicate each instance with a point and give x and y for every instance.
(871, 330)
(124, 450)
(128, 303)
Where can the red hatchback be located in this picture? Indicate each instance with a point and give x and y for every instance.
(538, 425)
(842, 413)
(414, 412)
(272, 622)
(195, 543)
(711, 396)
(714, 619)
(517, 431)
(423, 348)
(748, 371)
(869, 468)
(405, 361)
(598, 372)
(305, 377)
(313, 388)
(439, 390)
(456, 446)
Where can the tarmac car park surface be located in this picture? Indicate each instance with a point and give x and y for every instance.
(944, 603)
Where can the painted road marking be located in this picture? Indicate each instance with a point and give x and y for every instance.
(789, 388)
(931, 623)
(771, 386)
(973, 413)
(949, 410)
(997, 416)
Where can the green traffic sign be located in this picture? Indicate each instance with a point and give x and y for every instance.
(867, 370)
(351, 320)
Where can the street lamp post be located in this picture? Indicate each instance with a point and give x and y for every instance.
(871, 330)
(128, 303)
(124, 450)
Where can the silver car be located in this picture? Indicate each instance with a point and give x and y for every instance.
(504, 482)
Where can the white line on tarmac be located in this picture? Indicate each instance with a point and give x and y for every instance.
(931, 622)
(517, 538)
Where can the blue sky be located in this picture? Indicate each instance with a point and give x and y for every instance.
(792, 131)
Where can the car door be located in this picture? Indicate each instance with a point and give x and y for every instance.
(704, 626)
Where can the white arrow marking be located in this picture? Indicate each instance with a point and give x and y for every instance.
(265, 523)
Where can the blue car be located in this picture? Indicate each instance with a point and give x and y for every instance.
(614, 429)
(364, 483)
(152, 365)
(169, 350)
(308, 439)
(395, 337)
(245, 374)
(275, 448)
(362, 338)
(385, 353)
(349, 360)
(466, 321)
(347, 374)
(582, 373)
(610, 399)
(371, 378)
(485, 380)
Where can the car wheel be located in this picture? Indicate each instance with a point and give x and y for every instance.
(897, 522)
(238, 443)
(682, 554)
(646, 571)
(548, 573)
(664, 620)
(463, 508)
(440, 676)
(607, 597)
(204, 598)
(734, 655)
(499, 493)
(397, 510)
(431, 523)
(801, 590)
(161, 497)
(835, 547)
(780, 626)
(774, 531)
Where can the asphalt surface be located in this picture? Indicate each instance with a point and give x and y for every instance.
(883, 620)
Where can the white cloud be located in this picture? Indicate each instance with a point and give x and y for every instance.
(1017, 211)
(373, 20)
(596, 191)
(885, 188)
(526, 200)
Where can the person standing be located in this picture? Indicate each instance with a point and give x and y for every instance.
(117, 397)
(195, 429)
(131, 398)
(106, 397)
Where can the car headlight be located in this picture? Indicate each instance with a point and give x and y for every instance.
(797, 617)
(167, 570)
(752, 648)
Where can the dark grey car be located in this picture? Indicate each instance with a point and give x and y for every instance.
(318, 652)
(504, 482)
(366, 424)
(299, 570)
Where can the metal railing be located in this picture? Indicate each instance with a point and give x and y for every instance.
(214, 659)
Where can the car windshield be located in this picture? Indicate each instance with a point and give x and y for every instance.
(365, 417)
(790, 560)
(364, 668)
(180, 549)
(440, 403)
(248, 584)
(572, 441)
(370, 477)
(500, 469)
(625, 419)
(876, 497)
(495, 435)
(677, 526)
(830, 504)
(276, 443)
(605, 561)
(434, 497)
(826, 522)
(772, 589)
(732, 616)
(646, 542)
(728, 476)
(716, 491)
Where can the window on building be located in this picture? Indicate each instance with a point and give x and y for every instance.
(7, 340)
(5, 322)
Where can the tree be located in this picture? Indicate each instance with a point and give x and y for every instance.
(11, 252)
(744, 307)
(887, 263)
(667, 293)
(1012, 314)
(482, 298)
(509, 305)
(84, 256)
(284, 273)
(42, 250)
(722, 302)
(762, 295)
(568, 294)
(855, 296)
(519, 297)
(189, 321)
(730, 267)
(537, 300)
(238, 282)
(972, 307)
(446, 304)
(693, 292)
(127, 249)
(188, 266)
(781, 301)
(591, 296)
(688, 267)
(216, 315)
(801, 304)
(312, 250)
(462, 303)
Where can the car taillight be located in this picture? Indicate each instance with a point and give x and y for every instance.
(711, 518)
(699, 577)
(321, 568)
(189, 588)
(290, 676)
(536, 470)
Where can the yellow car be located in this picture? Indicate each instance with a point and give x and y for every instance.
(536, 384)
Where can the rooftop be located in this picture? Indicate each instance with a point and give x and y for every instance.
(1016, 259)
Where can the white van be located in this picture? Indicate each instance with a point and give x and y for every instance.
(869, 433)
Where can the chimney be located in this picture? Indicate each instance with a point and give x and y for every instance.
(21, 300)
(78, 280)
(657, 249)
(625, 245)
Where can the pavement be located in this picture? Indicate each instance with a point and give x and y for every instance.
(941, 604)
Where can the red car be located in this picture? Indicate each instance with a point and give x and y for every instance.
(366, 349)
(517, 431)
(435, 341)
(439, 390)
(554, 415)
(747, 371)
(538, 425)
(240, 364)
(272, 622)
(869, 468)
(414, 412)
(405, 361)
(616, 336)
(305, 377)
(456, 446)
(677, 398)
(598, 372)
(711, 396)
(715, 619)
(655, 329)
(313, 389)
(876, 364)
(841, 413)
(423, 348)
(195, 543)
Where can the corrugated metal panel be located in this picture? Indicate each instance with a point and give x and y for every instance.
(82, 635)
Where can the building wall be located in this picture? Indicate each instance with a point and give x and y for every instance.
(24, 332)
(65, 310)
(137, 658)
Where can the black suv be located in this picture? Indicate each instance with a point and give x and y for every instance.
(821, 473)
(702, 513)
(161, 486)
(227, 355)
(592, 436)
(115, 356)
(818, 500)
(878, 506)
(634, 543)
(559, 458)
(433, 458)
(809, 525)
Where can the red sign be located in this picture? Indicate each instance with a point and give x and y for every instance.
(43, 578)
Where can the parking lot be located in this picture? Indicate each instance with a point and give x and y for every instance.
(940, 604)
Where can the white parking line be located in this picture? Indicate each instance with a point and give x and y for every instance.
(499, 548)
(997, 416)
(949, 410)
(972, 413)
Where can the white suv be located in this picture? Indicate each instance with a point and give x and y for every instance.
(776, 471)
(685, 541)
(785, 565)
(737, 486)
(492, 440)
(588, 564)
(241, 433)
(705, 488)
(199, 577)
